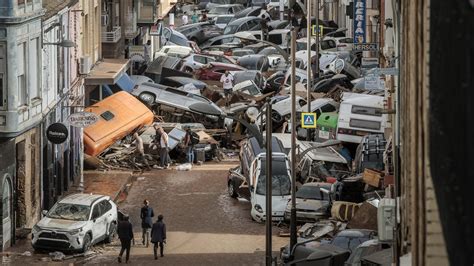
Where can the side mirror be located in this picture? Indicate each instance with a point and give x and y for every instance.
(44, 212)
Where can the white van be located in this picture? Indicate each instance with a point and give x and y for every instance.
(249, 180)
(359, 115)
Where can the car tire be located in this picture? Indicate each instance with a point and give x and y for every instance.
(86, 243)
(231, 190)
(188, 70)
(111, 234)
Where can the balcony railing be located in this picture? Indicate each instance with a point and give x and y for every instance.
(112, 36)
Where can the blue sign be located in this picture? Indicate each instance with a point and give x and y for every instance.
(308, 120)
(359, 21)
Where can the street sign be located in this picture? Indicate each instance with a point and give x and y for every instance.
(308, 120)
(359, 21)
(390, 71)
(156, 30)
(313, 30)
(369, 62)
(365, 47)
(57, 133)
(372, 82)
(82, 119)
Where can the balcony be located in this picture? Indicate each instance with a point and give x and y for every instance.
(131, 29)
(112, 36)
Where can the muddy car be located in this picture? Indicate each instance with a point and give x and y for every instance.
(214, 71)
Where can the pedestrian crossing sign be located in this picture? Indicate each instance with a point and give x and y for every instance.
(308, 120)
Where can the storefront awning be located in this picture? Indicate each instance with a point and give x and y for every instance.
(108, 71)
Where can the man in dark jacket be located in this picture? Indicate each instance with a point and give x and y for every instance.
(158, 235)
(146, 213)
(125, 234)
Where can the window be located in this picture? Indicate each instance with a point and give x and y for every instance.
(328, 108)
(96, 212)
(374, 125)
(327, 44)
(35, 68)
(107, 115)
(21, 74)
(105, 206)
(363, 110)
(200, 59)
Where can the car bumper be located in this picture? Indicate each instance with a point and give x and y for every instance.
(61, 241)
(261, 217)
(306, 216)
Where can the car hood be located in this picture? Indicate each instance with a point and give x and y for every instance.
(60, 224)
(313, 205)
(284, 107)
(278, 203)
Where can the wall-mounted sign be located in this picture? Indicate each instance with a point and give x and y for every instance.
(365, 47)
(57, 133)
(82, 119)
(359, 21)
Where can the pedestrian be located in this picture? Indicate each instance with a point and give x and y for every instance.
(227, 83)
(190, 140)
(265, 18)
(146, 213)
(184, 18)
(204, 16)
(125, 234)
(140, 151)
(164, 148)
(158, 236)
(195, 17)
(147, 52)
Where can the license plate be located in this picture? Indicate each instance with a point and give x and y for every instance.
(324, 134)
(277, 218)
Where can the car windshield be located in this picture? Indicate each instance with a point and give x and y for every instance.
(300, 46)
(223, 20)
(67, 211)
(252, 89)
(329, 169)
(178, 40)
(311, 192)
(281, 184)
(349, 243)
(220, 10)
(230, 29)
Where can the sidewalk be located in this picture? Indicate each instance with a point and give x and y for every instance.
(110, 183)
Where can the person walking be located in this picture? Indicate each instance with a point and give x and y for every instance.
(146, 213)
(164, 148)
(194, 17)
(227, 83)
(265, 18)
(158, 236)
(125, 234)
(190, 139)
(185, 18)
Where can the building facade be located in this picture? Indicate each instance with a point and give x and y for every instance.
(21, 108)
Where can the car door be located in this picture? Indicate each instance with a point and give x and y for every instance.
(107, 210)
(199, 61)
(99, 225)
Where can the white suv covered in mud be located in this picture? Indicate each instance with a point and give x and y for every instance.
(75, 223)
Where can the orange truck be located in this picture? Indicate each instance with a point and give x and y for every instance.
(119, 115)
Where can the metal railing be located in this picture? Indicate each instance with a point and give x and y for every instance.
(112, 36)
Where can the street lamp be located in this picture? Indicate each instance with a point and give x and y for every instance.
(207, 109)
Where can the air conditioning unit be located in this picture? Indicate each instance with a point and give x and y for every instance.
(85, 65)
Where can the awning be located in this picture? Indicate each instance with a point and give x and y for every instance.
(108, 71)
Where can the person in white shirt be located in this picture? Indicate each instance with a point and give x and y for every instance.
(227, 83)
(184, 18)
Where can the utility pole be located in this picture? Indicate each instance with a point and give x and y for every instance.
(269, 182)
(293, 142)
(308, 65)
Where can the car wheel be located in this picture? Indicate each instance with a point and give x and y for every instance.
(188, 70)
(231, 190)
(87, 243)
(111, 233)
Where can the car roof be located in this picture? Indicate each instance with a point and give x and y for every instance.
(355, 233)
(82, 199)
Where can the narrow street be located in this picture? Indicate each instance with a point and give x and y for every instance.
(205, 226)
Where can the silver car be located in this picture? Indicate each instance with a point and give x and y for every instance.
(312, 202)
